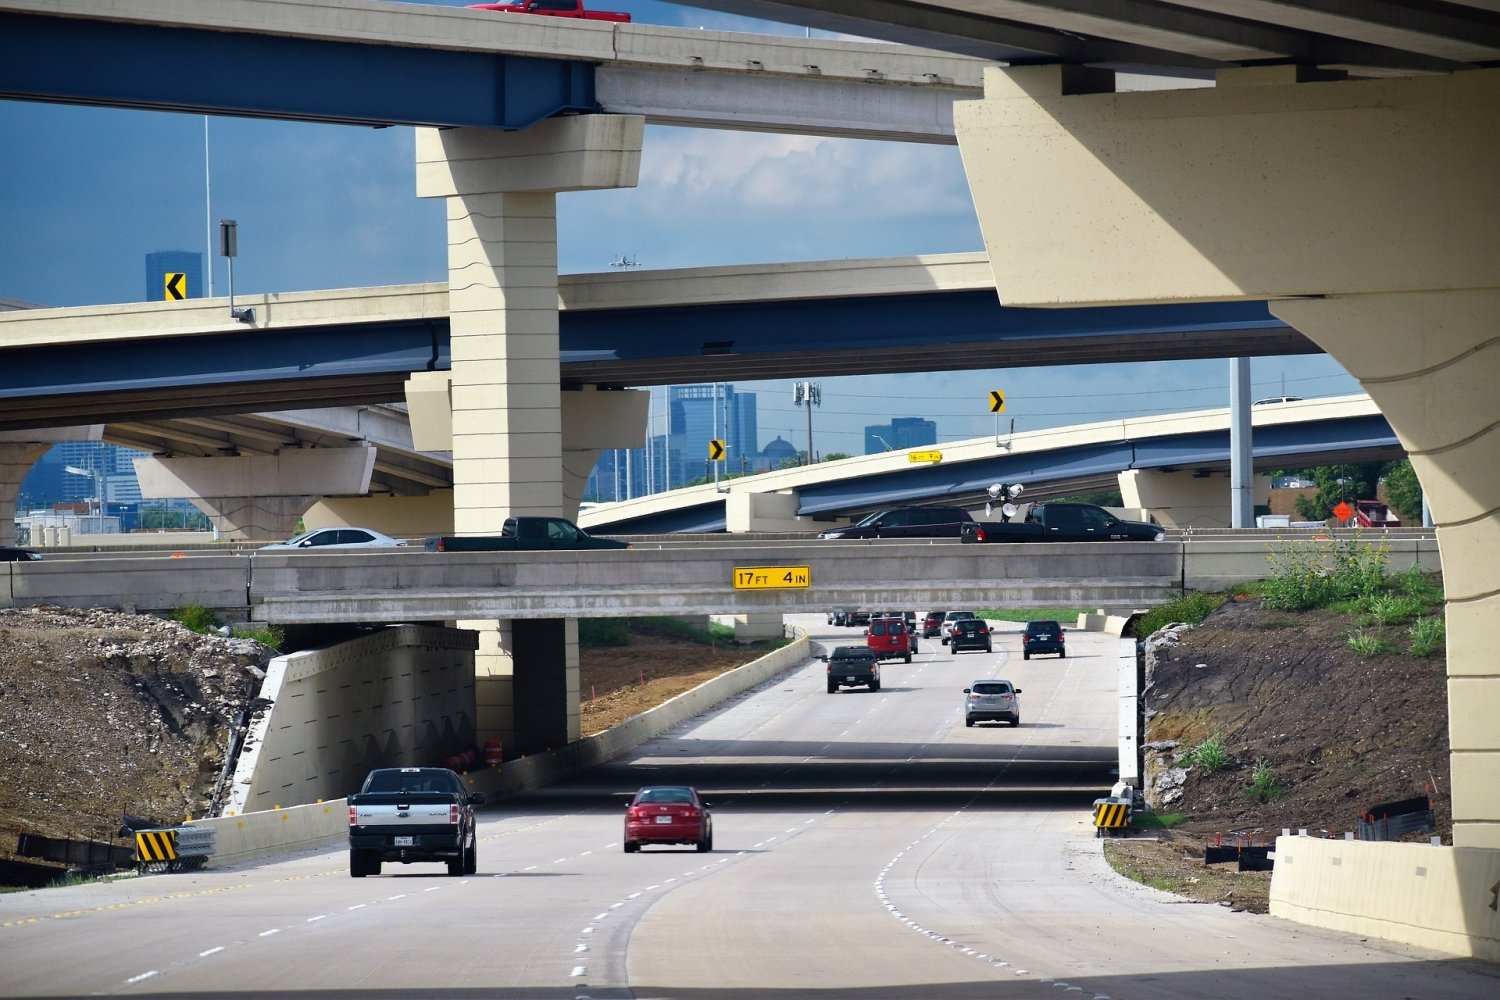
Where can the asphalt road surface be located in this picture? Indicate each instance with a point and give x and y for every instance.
(867, 845)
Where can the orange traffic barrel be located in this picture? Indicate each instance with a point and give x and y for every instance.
(492, 753)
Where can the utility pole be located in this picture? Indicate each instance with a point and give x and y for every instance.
(808, 394)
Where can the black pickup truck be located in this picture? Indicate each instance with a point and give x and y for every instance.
(526, 533)
(853, 666)
(411, 814)
(1065, 522)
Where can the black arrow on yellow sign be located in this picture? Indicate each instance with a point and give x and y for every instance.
(176, 286)
(997, 401)
(715, 450)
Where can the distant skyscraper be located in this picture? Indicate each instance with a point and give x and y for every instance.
(900, 434)
(165, 262)
(693, 423)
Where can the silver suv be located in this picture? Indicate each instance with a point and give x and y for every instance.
(992, 701)
(946, 628)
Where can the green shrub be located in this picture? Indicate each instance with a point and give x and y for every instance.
(1366, 644)
(1417, 583)
(1298, 578)
(1210, 755)
(603, 633)
(196, 617)
(1428, 635)
(1263, 783)
(1358, 567)
(1190, 608)
(270, 635)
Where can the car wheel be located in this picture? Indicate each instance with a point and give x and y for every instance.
(456, 865)
(358, 867)
(1015, 721)
(988, 648)
(874, 685)
(1025, 656)
(833, 689)
(471, 859)
(706, 844)
(953, 650)
(969, 723)
(631, 847)
(908, 657)
(1062, 654)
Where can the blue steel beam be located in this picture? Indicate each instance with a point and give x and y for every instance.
(74, 61)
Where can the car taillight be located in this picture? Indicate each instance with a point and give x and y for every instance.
(973, 697)
(354, 816)
(453, 814)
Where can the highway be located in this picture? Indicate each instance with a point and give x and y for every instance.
(866, 844)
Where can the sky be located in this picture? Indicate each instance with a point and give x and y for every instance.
(86, 193)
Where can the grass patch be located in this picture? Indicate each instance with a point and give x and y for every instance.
(1263, 783)
(268, 635)
(196, 618)
(1391, 609)
(608, 633)
(1147, 820)
(1065, 615)
(1211, 755)
(1190, 608)
(1428, 635)
(1366, 644)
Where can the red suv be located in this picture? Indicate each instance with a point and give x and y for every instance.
(890, 638)
(933, 624)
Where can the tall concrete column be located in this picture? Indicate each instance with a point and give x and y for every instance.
(505, 395)
(1377, 197)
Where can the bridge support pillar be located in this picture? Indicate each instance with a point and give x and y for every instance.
(16, 460)
(19, 451)
(1364, 209)
(258, 497)
(1185, 499)
(504, 392)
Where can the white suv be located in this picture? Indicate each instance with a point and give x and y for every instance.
(947, 627)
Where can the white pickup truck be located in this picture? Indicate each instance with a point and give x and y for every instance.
(411, 814)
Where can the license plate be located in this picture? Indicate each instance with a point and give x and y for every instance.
(851, 680)
(664, 819)
(403, 842)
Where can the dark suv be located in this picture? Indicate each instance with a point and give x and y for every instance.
(970, 633)
(853, 666)
(1044, 636)
(906, 522)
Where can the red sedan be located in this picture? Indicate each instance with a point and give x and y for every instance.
(668, 814)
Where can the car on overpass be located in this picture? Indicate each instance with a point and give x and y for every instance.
(337, 538)
(906, 522)
(11, 554)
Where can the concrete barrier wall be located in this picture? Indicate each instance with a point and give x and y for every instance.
(1217, 563)
(401, 696)
(270, 832)
(1434, 897)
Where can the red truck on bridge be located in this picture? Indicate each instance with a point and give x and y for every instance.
(552, 8)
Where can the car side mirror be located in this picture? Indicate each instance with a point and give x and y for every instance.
(966, 690)
(1017, 690)
(823, 659)
(476, 799)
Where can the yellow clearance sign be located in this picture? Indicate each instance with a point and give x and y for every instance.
(924, 456)
(772, 577)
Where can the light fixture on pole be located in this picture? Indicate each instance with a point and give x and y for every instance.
(808, 394)
(229, 245)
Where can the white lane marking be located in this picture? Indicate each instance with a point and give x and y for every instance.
(588, 930)
(633, 895)
(357, 906)
(585, 854)
(559, 861)
(392, 899)
(144, 975)
(321, 916)
(581, 948)
(529, 868)
(211, 951)
(432, 888)
(273, 930)
(579, 971)
(601, 916)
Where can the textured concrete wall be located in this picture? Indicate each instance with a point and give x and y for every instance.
(402, 696)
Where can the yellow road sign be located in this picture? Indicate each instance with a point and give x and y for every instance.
(174, 286)
(997, 401)
(772, 577)
(924, 456)
(716, 450)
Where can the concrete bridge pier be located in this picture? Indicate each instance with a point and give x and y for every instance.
(1365, 209)
(504, 393)
(19, 451)
(258, 497)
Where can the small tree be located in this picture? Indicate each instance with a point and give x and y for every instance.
(1403, 492)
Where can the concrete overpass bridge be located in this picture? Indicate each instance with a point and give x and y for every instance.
(1340, 168)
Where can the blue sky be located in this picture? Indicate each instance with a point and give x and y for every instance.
(86, 193)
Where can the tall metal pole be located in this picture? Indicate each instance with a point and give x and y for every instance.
(1241, 470)
(208, 214)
